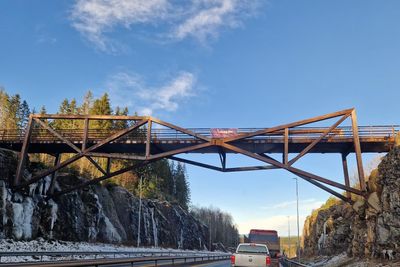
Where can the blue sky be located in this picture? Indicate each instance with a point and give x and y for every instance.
(215, 63)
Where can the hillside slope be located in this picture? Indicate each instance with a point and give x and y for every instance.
(94, 214)
(367, 228)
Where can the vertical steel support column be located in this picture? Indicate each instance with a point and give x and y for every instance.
(24, 151)
(148, 141)
(346, 174)
(108, 168)
(57, 161)
(85, 134)
(357, 148)
(286, 147)
(222, 157)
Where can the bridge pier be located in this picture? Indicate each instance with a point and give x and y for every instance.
(346, 174)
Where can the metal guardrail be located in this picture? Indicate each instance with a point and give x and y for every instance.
(131, 261)
(113, 254)
(15, 135)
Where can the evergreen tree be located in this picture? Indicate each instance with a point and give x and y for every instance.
(14, 105)
(182, 191)
(120, 124)
(102, 106)
(63, 109)
(87, 103)
(23, 115)
(73, 110)
(43, 110)
(4, 102)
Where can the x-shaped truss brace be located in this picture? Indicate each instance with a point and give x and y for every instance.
(225, 145)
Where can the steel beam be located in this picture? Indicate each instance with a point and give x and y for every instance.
(24, 152)
(327, 189)
(222, 157)
(250, 168)
(83, 153)
(286, 147)
(291, 169)
(289, 125)
(91, 117)
(180, 150)
(195, 163)
(316, 141)
(57, 160)
(346, 174)
(148, 139)
(108, 168)
(357, 147)
(99, 179)
(180, 129)
(69, 143)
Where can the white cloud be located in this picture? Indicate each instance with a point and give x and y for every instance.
(129, 89)
(200, 19)
(208, 16)
(93, 18)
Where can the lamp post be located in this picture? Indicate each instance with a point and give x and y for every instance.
(288, 219)
(298, 227)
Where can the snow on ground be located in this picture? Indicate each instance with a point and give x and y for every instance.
(334, 261)
(9, 245)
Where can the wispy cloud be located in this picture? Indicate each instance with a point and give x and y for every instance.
(130, 89)
(94, 18)
(199, 19)
(207, 17)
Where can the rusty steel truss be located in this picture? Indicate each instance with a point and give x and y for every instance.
(143, 143)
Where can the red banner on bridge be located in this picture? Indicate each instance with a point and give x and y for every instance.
(222, 133)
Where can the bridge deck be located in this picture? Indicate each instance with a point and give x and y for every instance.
(372, 139)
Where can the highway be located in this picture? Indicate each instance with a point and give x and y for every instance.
(224, 263)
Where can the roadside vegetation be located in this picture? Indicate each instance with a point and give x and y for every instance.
(220, 223)
(284, 240)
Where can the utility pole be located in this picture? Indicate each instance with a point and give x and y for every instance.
(288, 217)
(140, 211)
(298, 227)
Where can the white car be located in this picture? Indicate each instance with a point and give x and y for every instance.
(251, 254)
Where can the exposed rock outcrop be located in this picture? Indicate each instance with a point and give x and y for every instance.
(94, 214)
(370, 227)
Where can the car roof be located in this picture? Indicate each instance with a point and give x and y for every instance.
(253, 244)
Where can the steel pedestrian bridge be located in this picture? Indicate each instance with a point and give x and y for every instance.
(146, 139)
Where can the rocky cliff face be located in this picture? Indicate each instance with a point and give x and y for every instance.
(370, 227)
(95, 214)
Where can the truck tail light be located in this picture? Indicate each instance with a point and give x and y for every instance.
(268, 260)
(233, 259)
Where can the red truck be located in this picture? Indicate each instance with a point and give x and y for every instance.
(267, 237)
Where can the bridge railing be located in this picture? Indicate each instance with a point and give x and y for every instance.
(42, 135)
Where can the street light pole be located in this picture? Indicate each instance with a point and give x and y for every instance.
(288, 218)
(298, 227)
